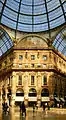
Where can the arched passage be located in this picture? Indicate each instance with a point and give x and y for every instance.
(45, 92)
(19, 92)
(32, 92)
(32, 99)
(9, 96)
(44, 96)
(19, 96)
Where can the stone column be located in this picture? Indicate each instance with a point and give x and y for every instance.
(0, 102)
(26, 88)
(13, 89)
(6, 91)
(39, 89)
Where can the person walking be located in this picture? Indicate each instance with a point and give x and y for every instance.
(23, 108)
(33, 109)
(5, 107)
(44, 107)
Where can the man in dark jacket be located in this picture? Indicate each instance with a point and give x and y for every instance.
(5, 106)
(23, 108)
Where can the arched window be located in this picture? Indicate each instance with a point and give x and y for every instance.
(19, 92)
(44, 92)
(32, 92)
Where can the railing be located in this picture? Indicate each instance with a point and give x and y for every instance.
(24, 66)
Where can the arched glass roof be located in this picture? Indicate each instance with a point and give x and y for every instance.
(60, 42)
(32, 15)
(5, 42)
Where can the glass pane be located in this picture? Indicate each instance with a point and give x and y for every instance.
(8, 22)
(26, 9)
(40, 19)
(4, 48)
(27, 2)
(13, 4)
(52, 4)
(54, 14)
(25, 19)
(38, 2)
(2, 1)
(10, 14)
(1, 5)
(40, 27)
(64, 5)
(8, 45)
(1, 43)
(23, 27)
(57, 22)
(39, 9)
(0, 52)
(60, 48)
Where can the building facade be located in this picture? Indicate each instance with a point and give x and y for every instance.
(32, 71)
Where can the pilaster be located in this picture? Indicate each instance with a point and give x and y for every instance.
(13, 89)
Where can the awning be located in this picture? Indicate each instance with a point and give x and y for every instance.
(57, 99)
(45, 99)
(18, 99)
(32, 99)
(62, 99)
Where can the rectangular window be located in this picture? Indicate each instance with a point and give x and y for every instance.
(26, 55)
(20, 57)
(20, 80)
(9, 83)
(32, 65)
(44, 80)
(55, 59)
(44, 57)
(20, 65)
(32, 57)
(32, 80)
(26, 65)
(39, 65)
(44, 65)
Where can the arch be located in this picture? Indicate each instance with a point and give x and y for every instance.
(5, 41)
(34, 35)
(32, 92)
(45, 92)
(60, 41)
(19, 92)
(61, 29)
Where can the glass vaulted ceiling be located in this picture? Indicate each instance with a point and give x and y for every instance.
(32, 15)
(60, 42)
(5, 42)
